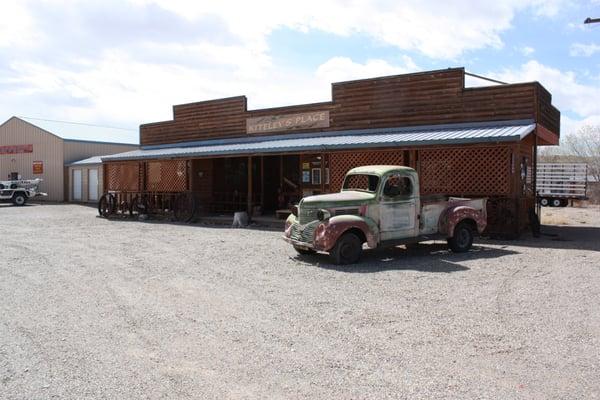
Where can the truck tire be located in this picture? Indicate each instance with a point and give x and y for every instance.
(347, 249)
(544, 202)
(19, 199)
(462, 240)
(304, 251)
(556, 203)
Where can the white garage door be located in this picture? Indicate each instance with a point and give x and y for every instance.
(93, 184)
(77, 184)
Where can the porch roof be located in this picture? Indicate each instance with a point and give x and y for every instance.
(464, 133)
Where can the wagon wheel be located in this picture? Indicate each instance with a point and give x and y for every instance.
(107, 205)
(123, 207)
(139, 205)
(185, 207)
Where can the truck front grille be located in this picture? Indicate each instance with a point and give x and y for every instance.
(304, 233)
(306, 215)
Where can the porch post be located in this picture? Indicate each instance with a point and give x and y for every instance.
(322, 173)
(249, 200)
(262, 183)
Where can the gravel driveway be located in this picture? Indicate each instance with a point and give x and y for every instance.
(92, 308)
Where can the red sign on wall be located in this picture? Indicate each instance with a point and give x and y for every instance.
(16, 149)
(38, 167)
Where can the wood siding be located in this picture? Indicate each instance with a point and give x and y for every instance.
(436, 97)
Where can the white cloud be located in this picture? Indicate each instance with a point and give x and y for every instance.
(585, 50)
(128, 62)
(527, 50)
(339, 69)
(437, 29)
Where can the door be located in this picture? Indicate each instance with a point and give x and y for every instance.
(398, 208)
(77, 184)
(92, 184)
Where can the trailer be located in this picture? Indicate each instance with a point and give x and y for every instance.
(557, 183)
(20, 191)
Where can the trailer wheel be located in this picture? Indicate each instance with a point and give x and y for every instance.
(138, 206)
(462, 240)
(19, 199)
(544, 202)
(347, 250)
(185, 207)
(1, 186)
(106, 205)
(556, 203)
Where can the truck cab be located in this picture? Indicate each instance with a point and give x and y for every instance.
(381, 206)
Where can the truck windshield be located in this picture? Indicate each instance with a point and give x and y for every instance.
(362, 182)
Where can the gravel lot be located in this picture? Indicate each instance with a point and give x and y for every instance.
(118, 309)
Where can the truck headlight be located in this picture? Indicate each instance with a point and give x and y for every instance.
(323, 214)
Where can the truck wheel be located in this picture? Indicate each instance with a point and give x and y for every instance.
(347, 250)
(556, 203)
(304, 251)
(462, 240)
(19, 199)
(544, 202)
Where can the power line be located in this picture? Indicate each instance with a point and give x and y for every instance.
(80, 123)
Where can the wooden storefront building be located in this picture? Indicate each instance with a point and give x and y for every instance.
(478, 141)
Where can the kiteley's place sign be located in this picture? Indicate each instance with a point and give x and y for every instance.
(287, 122)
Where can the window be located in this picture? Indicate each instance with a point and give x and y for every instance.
(362, 182)
(397, 186)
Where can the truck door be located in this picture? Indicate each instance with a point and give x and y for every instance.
(397, 208)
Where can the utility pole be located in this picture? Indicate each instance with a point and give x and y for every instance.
(589, 20)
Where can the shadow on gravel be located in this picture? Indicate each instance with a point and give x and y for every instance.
(425, 257)
(561, 237)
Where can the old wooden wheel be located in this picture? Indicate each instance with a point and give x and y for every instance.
(184, 207)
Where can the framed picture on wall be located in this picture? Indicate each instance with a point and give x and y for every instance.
(316, 176)
(305, 176)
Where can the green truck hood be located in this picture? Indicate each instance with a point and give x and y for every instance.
(345, 198)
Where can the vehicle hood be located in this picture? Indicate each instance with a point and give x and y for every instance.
(349, 197)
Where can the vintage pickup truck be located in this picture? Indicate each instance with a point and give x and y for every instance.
(381, 206)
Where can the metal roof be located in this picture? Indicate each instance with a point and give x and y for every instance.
(495, 131)
(87, 161)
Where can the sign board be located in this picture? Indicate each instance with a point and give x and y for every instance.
(287, 122)
(16, 149)
(38, 167)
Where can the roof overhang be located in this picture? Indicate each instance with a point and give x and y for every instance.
(466, 133)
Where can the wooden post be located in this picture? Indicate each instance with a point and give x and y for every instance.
(262, 183)
(249, 200)
(322, 173)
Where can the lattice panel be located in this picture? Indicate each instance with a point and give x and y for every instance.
(343, 162)
(166, 176)
(123, 176)
(466, 171)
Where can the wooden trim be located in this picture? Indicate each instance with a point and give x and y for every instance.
(546, 136)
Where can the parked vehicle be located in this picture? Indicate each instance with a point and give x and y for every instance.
(557, 183)
(381, 206)
(19, 191)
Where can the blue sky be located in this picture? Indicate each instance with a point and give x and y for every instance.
(122, 63)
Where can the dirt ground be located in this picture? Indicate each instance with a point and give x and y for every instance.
(93, 309)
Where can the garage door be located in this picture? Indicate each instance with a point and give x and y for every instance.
(93, 184)
(77, 184)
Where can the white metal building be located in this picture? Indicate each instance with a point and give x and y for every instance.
(86, 180)
(28, 151)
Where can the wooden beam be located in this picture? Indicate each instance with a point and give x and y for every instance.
(322, 173)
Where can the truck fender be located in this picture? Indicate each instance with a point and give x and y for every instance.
(329, 231)
(452, 216)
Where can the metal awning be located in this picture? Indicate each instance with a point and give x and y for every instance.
(480, 132)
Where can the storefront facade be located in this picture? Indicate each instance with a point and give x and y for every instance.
(462, 141)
